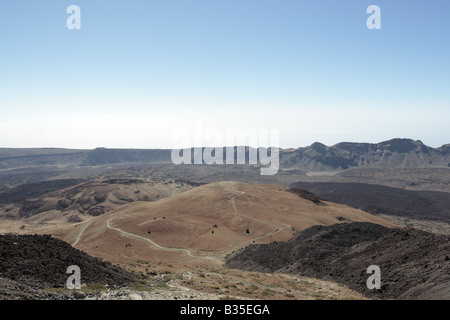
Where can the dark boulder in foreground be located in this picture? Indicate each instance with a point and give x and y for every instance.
(38, 262)
(413, 263)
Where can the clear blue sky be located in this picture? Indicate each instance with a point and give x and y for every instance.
(138, 70)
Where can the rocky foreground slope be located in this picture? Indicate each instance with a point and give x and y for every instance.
(29, 264)
(414, 264)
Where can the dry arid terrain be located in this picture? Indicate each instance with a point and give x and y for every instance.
(185, 232)
(204, 223)
(178, 243)
(178, 235)
(37, 264)
(422, 209)
(415, 264)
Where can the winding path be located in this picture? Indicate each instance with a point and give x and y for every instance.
(277, 228)
(159, 246)
(81, 232)
(187, 251)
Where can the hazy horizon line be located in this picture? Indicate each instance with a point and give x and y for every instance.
(225, 146)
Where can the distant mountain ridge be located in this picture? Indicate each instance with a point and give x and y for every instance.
(394, 153)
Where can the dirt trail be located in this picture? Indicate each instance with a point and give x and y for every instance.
(81, 233)
(220, 254)
(187, 251)
(233, 203)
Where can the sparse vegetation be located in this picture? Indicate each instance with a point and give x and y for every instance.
(142, 261)
(160, 285)
(94, 288)
(268, 293)
(140, 286)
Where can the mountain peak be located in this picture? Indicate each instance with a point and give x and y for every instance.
(319, 147)
(402, 145)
